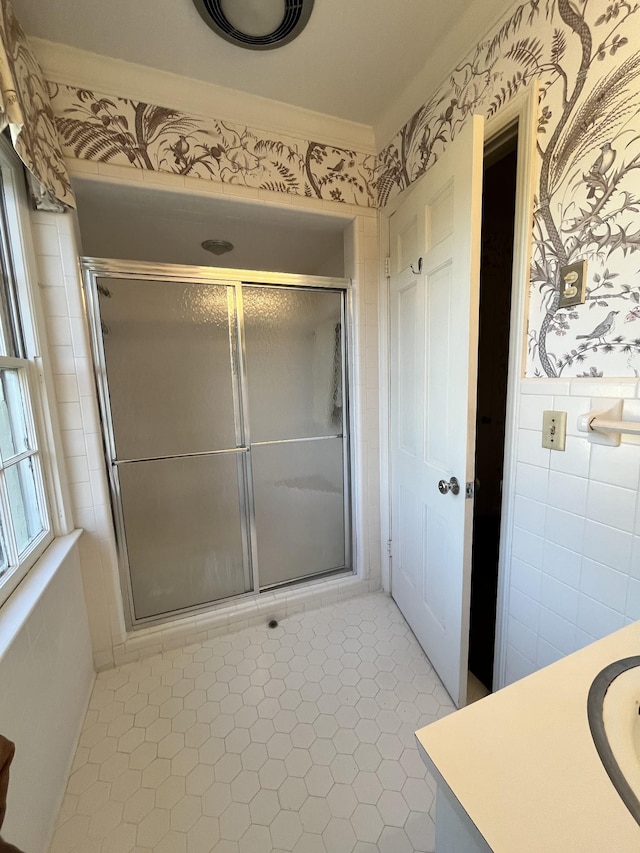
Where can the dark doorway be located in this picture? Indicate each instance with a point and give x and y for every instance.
(498, 216)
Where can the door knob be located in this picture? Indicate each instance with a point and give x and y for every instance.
(452, 486)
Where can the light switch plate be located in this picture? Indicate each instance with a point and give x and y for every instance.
(573, 284)
(554, 430)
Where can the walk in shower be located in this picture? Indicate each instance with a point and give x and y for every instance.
(224, 402)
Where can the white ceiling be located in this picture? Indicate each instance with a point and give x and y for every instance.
(352, 61)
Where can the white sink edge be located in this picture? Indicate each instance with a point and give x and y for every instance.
(621, 718)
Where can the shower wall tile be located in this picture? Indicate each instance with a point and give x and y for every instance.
(569, 580)
(59, 331)
(73, 442)
(59, 278)
(63, 357)
(46, 236)
(55, 299)
(66, 388)
(75, 301)
(50, 272)
(70, 415)
(57, 251)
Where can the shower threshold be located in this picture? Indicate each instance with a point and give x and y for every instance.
(238, 613)
(343, 570)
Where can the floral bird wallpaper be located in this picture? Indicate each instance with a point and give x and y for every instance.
(586, 57)
(26, 110)
(121, 131)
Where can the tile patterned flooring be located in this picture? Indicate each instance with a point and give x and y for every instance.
(298, 738)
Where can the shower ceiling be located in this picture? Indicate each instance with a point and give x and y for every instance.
(136, 223)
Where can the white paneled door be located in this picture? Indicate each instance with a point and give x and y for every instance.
(435, 260)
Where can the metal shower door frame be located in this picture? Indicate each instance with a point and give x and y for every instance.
(233, 280)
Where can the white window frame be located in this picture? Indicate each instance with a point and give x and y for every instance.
(20, 561)
(34, 376)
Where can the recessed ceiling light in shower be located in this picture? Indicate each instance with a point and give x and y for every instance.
(256, 24)
(217, 247)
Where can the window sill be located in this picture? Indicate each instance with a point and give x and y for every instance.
(22, 601)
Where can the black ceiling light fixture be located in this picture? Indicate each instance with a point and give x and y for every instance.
(256, 24)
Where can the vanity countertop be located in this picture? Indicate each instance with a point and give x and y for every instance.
(523, 765)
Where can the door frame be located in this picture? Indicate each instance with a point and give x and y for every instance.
(523, 108)
(94, 268)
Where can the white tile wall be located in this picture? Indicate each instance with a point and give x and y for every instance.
(59, 277)
(46, 675)
(575, 553)
(59, 280)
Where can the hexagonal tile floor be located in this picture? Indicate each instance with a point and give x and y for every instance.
(298, 738)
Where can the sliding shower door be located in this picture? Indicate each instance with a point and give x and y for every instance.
(178, 457)
(224, 410)
(295, 366)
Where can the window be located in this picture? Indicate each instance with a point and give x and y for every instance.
(25, 528)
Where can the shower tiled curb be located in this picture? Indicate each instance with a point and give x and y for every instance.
(230, 618)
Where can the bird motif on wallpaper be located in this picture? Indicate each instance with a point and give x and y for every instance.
(601, 330)
(604, 161)
(448, 113)
(180, 149)
(337, 168)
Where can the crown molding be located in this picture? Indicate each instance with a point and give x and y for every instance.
(64, 64)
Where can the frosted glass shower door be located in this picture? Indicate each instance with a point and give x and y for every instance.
(179, 463)
(295, 380)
